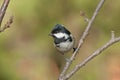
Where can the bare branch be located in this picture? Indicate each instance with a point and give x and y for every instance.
(82, 39)
(93, 55)
(2, 14)
(3, 10)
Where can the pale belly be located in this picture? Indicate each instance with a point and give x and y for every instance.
(65, 46)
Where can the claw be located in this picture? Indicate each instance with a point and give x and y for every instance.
(74, 49)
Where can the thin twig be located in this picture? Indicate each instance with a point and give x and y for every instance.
(7, 25)
(112, 35)
(84, 16)
(93, 55)
(3, 10)
(2, 14)
(82, 39)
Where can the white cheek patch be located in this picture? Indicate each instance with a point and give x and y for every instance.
(61, 35)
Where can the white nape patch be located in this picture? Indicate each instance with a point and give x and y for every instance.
(61, 35)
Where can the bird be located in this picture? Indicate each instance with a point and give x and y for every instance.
(64, 41)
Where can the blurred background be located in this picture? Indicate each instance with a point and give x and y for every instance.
(28, 53)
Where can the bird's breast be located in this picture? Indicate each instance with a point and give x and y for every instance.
(65, 46)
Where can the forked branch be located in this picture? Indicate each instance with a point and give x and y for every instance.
(93, 55)
(81, 41)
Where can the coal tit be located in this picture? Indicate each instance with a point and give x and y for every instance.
(63, 39)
